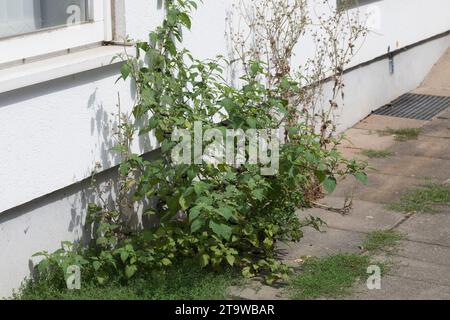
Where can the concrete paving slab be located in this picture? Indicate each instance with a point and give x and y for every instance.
(400, 288)
(378, 122)
(425, 146)
(319, 244)
(255, 290)
(429, 228)
(420, 270)
(364, 217)
(439, 76)
(366, 139)
(442, 92)
(437, 128)
(381, 188)
(352, 153)
(411, 166)
(430, 253)
(444, 115)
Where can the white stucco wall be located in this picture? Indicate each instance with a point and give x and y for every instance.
(398, 23)
(373, 86)
(51, 134)
(40, 225)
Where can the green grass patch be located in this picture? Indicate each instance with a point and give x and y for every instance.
(377, 153)
(425, 199)
(382, 240)
(329, 277)
(404, 134)
(184, 282)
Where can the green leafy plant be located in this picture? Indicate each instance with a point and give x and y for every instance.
(222, 216)
(53, 266)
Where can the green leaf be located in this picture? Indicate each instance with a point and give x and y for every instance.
(247, 273)
(192, 172)
(228, 104)
(67, 244)
(221, 229)
(130, 271)
(204, 260)
(194, 213)
(196, 225)
(225, 212)
(124, 168)
(119, 148)
(320, 175)
(101, 280)
(185, 20)
(200, 187)
(231, 259)
(43, 265)
(125, 70)
(251, 122)
(361, 177)
(124, 256)
(39, 254)
(166, 262)
(183, 203)
(102, 241)
(97, 265)
(166, 146)
(150, 212)
(258, 194)
(255, 68)
(268, 243)
(330, 184)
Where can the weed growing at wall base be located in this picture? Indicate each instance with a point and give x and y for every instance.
(222, 214)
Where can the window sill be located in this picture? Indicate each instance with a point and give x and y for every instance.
(17, 77)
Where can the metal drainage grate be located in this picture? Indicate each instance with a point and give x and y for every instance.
(415, 106)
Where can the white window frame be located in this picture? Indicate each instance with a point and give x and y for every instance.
(42, 42)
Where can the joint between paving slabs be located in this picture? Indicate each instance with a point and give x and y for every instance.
(403, 220)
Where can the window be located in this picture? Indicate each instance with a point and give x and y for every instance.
(25, 16)
(31, 28)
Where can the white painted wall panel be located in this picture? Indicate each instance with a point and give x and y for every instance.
(52, 134)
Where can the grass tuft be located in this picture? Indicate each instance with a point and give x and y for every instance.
(377, 153)
(329, 277)
(382, 240)
(404, 134)
(183, 282)
(424, 199)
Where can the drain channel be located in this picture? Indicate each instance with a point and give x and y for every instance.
(415, 106)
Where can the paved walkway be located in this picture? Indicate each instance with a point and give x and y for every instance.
(422, 261)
